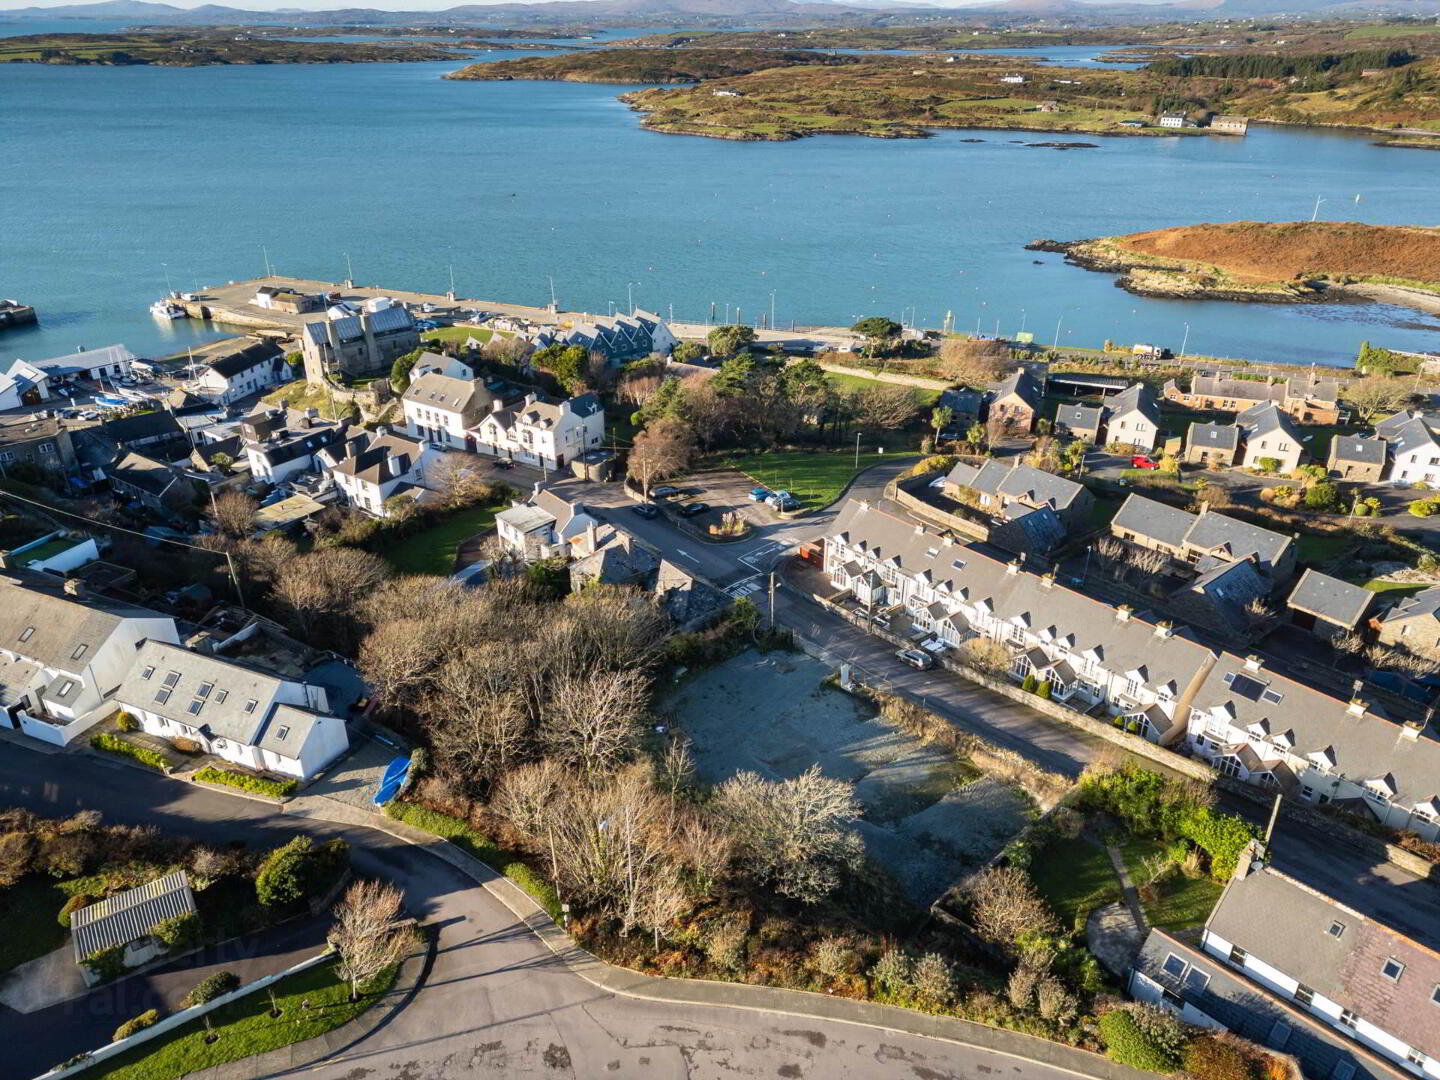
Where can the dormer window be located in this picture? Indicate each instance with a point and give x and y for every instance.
(220, 696)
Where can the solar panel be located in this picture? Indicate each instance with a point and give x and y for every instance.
(1247, 687)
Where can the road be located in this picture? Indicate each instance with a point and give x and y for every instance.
(496, 1002)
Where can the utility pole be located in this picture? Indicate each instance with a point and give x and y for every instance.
(1185, 341)
(349, 272)
(772, 599)
(553, 306)
(630, 294)
(772, 309)
(857, 451)
(1057, 331)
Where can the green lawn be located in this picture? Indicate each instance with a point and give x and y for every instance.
(815, 477)
(245, 1028)
(1103, 509)
(457, 335)
(1074, 877)
(1397, 589)
(28, 910)
(1314, 549)
(858, 382)
(1181, 903)
(432, 551)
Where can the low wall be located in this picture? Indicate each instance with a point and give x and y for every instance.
(175, 1020)
(888, 377)
(919, 508)
(57, 734)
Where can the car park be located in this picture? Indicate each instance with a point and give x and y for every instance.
(917, 658)
(646, 510)
(782, 500)
(692, 509)
(759, 494)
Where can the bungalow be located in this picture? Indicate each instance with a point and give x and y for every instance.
(1215, 446)
(996, 487)
(248, 717)
(547, 523)
(1016, 400)
(1203, 539)
(1259, 727)
(1414, 623)
(63, 652)
(1133, 418)
(1270, 434)
(248, 368)
(541, 432)
(1355, 458)
(913, 581)
(371, 468)
(1081, 422)
(1327, 606)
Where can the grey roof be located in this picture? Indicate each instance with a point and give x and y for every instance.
(525, 518)
(1155, 520)
(295, 440)
(1022, 384)
(447, 394)
(1094, 382)
(619, 561)
(1137, 397)
(1218, 436)
(1354, 448)
(1253, 1012)
(350, 327)
(16, 678)
(1236, 389)
(235, 705)
(130, 915)
(967, 572)
(1386, 428)
(1314, 388)
(1410, 435)
(1084, 417)
(287, 731)
(1224, 591)
(961, 400)
(147, 474)
(1026, 483)
(243, 359)
(1291, 927)
(1423, 605)
(38, 621)
(1330, 598)
(107, 356)
(369, 457)
(151, 425)
(1265, 419)
(1028, 530)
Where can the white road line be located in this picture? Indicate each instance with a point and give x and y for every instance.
(686, 554)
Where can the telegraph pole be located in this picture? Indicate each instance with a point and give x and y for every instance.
(772, 599)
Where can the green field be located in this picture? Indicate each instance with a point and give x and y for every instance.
(841, 381)
(815, 477)
(310, 1003)
(1360, 33)
(29, 909)
(1314, 549)
(457, 335)
(432, 551)
(1074, 877)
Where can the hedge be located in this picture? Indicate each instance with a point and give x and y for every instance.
(138, 1023)
(473, 842)
(1207, 1058)
(108, 963)
(114, 744)
(72, 905)
(276, 789)
(211, 987)
(1127, 1044)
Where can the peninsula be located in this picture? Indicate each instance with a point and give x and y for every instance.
(630, 66)
(201, 50)
(1269, 262)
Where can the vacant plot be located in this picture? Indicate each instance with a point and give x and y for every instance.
(925, 818)
(432, 551)
(815, 477)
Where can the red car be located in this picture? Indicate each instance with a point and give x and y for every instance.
(1140, 461)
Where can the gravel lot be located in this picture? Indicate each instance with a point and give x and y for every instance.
(771, 714)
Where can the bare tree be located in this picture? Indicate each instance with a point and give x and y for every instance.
(234, 514)
(662, 450)
(477, 719)
(526, 796)
(370, 933)
(322, 590)
(973, 361)
(986, 654)
(1113, 554)
(1148, 561)
(458, 481)
(592, 719)
(883, 407)
(1371, 396)
(795, 835)
(1004, 906)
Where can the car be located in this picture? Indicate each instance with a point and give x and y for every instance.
(646, 510)
(89, 414)
(691, 509)
(664, 491)
(759, 494)
(783, 501)
(917, 658)
(503, 463)
(1140, 461)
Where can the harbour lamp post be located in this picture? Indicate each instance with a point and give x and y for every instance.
(1185, 341)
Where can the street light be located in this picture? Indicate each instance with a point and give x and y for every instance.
(630, 293)
(772, 309)
(1185, 341)
(1316, 212)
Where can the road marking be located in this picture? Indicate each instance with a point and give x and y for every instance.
(686, 554)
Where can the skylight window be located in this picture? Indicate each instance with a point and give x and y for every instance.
(79, 652)
(162, 695)
(204, 691)
(66, 687)
(171, 678)
(282, 733)
(250, 705)
(27, 633)
(220, 696)
(195, 706)
(149, 671)
(1336, 929)
(1273, 696)
(1392, 969)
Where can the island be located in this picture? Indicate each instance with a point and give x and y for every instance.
(1269, 262)
(201, 50)
(631, 66)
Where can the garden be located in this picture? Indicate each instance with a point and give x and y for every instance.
(815, 477)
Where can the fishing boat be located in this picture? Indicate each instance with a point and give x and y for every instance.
(167, 309)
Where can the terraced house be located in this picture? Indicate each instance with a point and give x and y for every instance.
(1205, 540)
(1308, 400)
(1094, 657)
(1260, 727)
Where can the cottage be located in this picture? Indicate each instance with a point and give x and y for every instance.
(43, 443)
(1414, 623)
(1308, 400)
(996, 486)
(1230, 125)
(1327, 606)
(1355, 458)
(250, 366)
(159, 487)
(1015, 401)
(1203, 540)
(1215, 446)
(282, 298)
(125, 921)
(1219, 598)
(1271, 441)
(548, 523)
(1132, 418)
(1013, 80)
(965, 405)
(248, 717)
(1082, 422)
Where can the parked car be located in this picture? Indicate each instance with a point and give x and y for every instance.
(691, 509)
(1140, 461)
(759, 494)
(917, 658)
(783, 500)
(503, 463)
(664, 491)
(646, 510)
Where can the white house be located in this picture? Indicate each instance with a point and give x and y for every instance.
(441, 408)
(1269, 433)
(279, 445)
(1175, 120)
(1133, 418)
(548, 523)
(542, 432)
(23, 384)
(1414, 451)
(63, 652)
(371, 468)
(245, 716)
(246, 370)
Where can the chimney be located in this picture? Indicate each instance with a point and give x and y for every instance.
(1410, 730)
(396, 463)
(1252, 663)
(332, 336)
(497, 405)
(365, 317)
(382, 429)
(1357, 707)
(864, 504)
(1164, 630)
(1123, 613)
(6, 562)
(592, 539)
(1013, 566)
(313, 413)
(74, 587)
(1047, 581)
(919, 529)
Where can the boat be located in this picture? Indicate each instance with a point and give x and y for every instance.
(167, 309)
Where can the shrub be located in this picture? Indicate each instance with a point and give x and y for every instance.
(1424, 508)
(114, 744)
(936, 463)
(834, 957)
(1029, 684)
(1043, 690)
(1268, 464)
(186, 746)
(211, 987)
(1208, 1058)
(892, 971)
(725, 942)
(1322, 497)
(276, 789)
(1127, 1044)
(138, 1023)
(178, 931)
(72, 905)
(107, 963)
(124, 721)
(933, 978)
(298, 870)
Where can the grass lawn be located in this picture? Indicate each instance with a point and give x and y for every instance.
(857, 382)
(245, 1027)
(1319, 549)
(1103, 509)
(1074, 877)
(1181, 903)
(432, 551)
(1395, 589)
(815, 477)
(457, 334)
(28, 909)
(301, 395)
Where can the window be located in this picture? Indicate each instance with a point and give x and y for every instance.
(1392, 969)
(66, 687)
(1196, 981)
(171, 678)
(1304, 994)
(250, 706)
(1343, 1070)
(195, 706)
(162, 695)
(1435, 996)
(27, 633)
(149, 671)
(1336, 929)
(1416, 1057)
(79, 652)
(1273, 696)
(1174, 965)
(47, 448)
(204, 691)
(220, 696)
(1348, 1018)
(282, 733)
(1238, 956)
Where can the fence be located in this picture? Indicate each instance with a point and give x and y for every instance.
(175, 1020)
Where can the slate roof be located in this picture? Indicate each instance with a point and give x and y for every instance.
(1423, 605)
(368, 457)
(1208, 531)
(349, 327)
(1155, 520)
(1412, 435)
(129, 915)
(252, 355)
(1021, 384)
(1330, 599)
(1023, 482)
(1253, 1012)
(234, 707)
(107, 356)
(1236, 389)
(1266, 418)
(447, 394)
(1223, 592)
(295, 440)
(287, 731)
(1292, 927)
(1137, 397)
(526, 518)
(151, 425)
(1217, 436)
(1028, 530)
(59, 626)
(147, 474)
(962, 401)
(1354, 448)
(1386, 428)
(619, 561)
(1083, 417)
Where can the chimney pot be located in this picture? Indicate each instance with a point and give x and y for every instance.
(1164, 630)
(1357, 708)
(1123, 613)
(1252, 663)
(74, 587)
(1410, 731)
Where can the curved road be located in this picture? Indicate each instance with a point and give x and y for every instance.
(497, 1003)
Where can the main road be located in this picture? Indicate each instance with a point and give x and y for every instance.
(496, 1002)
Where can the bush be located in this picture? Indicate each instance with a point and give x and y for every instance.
(276, 789)
(114, 744)
(72, 905)
(299, 870)
(892, 971)
(1127, 1044)
(1029, 684)
(937, 463)
(138, 1023)
(1208, 1058)
(107, 963)
(1424, 508)
(1322, 497)
(186, 746)
(1043, 690)
(178, 931)
(211, 987)
(124, 721)
(1268, 464)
